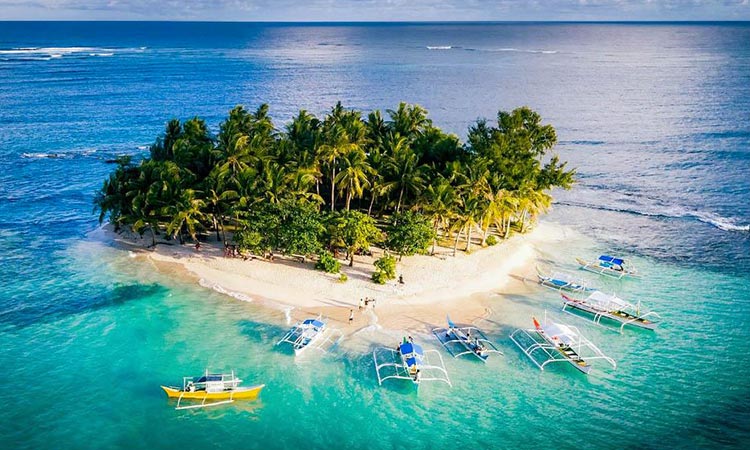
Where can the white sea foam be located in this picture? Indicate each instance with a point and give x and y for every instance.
(720, 222)
(46, 53)
(288, 315)
(220, 289)
(439, 47)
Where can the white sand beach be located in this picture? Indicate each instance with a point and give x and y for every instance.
(433, 287)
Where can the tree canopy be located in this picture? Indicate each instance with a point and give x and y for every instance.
(343, 181)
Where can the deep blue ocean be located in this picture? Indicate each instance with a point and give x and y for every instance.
(655, 117)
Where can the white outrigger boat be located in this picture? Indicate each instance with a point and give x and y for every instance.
(605, 306)
(459, 341)
(609, 266)
(310, 333)
(409, 362)
(556, 342)
(218, 389)
(560, 281)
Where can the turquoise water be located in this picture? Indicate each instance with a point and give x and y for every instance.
(654, 117)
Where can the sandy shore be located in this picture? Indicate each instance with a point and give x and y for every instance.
(434, 286)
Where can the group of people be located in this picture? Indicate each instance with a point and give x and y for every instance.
(365, 302)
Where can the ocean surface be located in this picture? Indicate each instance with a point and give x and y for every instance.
(655, 117)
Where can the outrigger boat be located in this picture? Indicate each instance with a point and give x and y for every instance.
(217, 389)
(560, 281)
(409, 362)
(556, 342)
(609, 266)
(611, 307)
(459, 341)
(309, 333)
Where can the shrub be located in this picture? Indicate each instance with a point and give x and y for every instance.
(343, 278)
(409, 233)
(491, 240)
(387, 266)
(379, 277)
(327, 263)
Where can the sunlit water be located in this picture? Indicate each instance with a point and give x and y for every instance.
(655, 118)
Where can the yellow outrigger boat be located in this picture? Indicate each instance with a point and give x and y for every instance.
(217, 389)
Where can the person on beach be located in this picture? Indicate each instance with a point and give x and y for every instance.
(198, 246)
(411, 340)
(361, 303)
(351, 316)
(401, 279)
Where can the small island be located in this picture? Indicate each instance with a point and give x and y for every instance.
(320, 214)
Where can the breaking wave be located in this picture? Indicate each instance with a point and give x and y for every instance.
(221, 290)
(440, 47)
(48, 53)
(722, 223)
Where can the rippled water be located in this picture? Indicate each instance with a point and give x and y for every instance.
(655, 118)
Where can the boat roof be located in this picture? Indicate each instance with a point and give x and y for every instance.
(559, 330)
(408, 347)
(314, 322)
(602, 298)
(209, 377)
(611, 259)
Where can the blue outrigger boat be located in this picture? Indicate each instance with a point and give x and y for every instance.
(409, 362)
(559, 281)
(459, 341)
(308, 334)
(609, 266)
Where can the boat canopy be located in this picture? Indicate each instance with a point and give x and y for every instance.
(313, 322)
(209, 378)
(560, 331)
(612, 259)
(606, 300)
(408, 348)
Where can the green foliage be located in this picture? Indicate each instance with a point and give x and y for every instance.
(327, 263)
(387, 266)
(354, 231)
(270, 185)
(409, 233)
(491, 240)
(343, 278)
(300, 229)
(379, 277)
(249, 240)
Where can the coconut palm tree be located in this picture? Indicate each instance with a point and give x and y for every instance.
(405, 175)
(354, 175)
(409, 120)
(186, 214)
(439, 203)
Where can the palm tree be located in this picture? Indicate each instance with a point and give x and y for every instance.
(409, 120)
(405, 173)
(186, 213)
(439, 203)
(353, 177)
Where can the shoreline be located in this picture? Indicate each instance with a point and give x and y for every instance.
(462, 287)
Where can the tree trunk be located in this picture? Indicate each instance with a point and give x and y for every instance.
(333, 185)
(400, 196)
(455, 243)
(351, 259)
(468, 238)
(348, 197)
(434, 240)
(153, 236)
(372, 202)
(216, 226)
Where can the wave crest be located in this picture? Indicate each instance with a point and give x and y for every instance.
(720, 222)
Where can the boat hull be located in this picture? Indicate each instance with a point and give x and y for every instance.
(243, 393)
(606, 271)
(622, 318)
